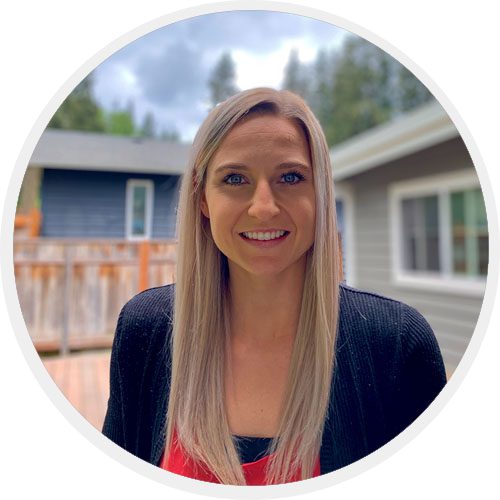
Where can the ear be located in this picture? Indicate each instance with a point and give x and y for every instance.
(204, 206)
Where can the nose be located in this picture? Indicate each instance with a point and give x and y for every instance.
(263, 205)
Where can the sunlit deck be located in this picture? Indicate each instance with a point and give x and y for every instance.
(84, 380)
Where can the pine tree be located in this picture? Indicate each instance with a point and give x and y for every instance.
(148, 128)
(411, 91)
(80, 111)
(295, 78)
(222, 82)
(321, 95)
(361, 90)
(120, 121)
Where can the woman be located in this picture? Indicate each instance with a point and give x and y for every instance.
(259, 366)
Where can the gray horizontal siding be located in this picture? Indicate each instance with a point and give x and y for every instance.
(452, 317)
(91, 204)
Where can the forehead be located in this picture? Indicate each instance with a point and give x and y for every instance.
(267, 136)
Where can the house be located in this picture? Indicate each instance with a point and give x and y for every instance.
(102, 186)
(414, 223)
(409, 208)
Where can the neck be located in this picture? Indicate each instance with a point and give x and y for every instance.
(265, 308)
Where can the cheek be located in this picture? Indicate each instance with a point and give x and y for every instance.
(309, 219)
(308, 210)
(223, 217)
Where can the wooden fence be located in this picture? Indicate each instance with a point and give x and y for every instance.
(71, 291)
(28, 224)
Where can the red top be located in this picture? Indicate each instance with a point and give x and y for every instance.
(254, 472)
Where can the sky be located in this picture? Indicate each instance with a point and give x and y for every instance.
(166, 71)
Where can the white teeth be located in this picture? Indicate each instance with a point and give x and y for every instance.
(264, 236)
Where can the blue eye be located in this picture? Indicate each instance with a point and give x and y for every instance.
(289, 178)
(292, 178)
(233, 179)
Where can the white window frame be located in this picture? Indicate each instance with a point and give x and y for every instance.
(344, 193)
(149, 185)
(444, 280)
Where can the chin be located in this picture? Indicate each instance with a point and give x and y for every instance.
(266, 269)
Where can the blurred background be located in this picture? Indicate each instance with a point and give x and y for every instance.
(95, 221)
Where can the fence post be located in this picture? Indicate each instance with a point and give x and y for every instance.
(35, 222)
(144, 251)
(68, 284)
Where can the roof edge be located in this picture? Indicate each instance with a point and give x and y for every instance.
(418, 129)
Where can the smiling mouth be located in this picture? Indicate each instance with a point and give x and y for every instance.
(264, 236)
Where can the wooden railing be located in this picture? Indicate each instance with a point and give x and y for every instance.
(28, 224)
(71, 291)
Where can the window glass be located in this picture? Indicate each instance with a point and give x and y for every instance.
(482, 231)
(139, 211)
(421, 234)
(469, 232)
(431, 233)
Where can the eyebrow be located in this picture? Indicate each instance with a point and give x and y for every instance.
(282, 166)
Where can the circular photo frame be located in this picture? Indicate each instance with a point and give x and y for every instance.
(413, 201)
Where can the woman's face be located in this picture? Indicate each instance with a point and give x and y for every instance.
(259, 196)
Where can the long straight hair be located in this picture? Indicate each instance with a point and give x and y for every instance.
(196, 409)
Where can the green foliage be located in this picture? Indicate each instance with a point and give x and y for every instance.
(120, 121)
(354, 88)
(79, 111)
(320, 97)
(222, 82)
(295, 78)
(411, 92)
(148, 128)
(360, 90)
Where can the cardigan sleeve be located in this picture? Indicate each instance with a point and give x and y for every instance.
(139, 358)
(423, 373)
(113, 424)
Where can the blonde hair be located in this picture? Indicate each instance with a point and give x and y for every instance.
(196, 410)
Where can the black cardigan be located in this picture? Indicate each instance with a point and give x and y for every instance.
(388, 369)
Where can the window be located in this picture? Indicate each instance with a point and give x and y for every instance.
(469, 233)
(440, 233)
(139, 209)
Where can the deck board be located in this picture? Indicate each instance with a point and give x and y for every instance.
(83, 378)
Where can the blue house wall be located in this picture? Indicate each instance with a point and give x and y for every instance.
(91, 204)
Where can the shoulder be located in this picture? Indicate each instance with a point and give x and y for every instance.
(144, 318)
(395, 337)
(150, 305)
(384, 319)
(363, 308)
(368, 301)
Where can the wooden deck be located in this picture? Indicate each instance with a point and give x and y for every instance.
(84, 379)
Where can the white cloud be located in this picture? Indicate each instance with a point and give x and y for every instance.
(257, 70)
